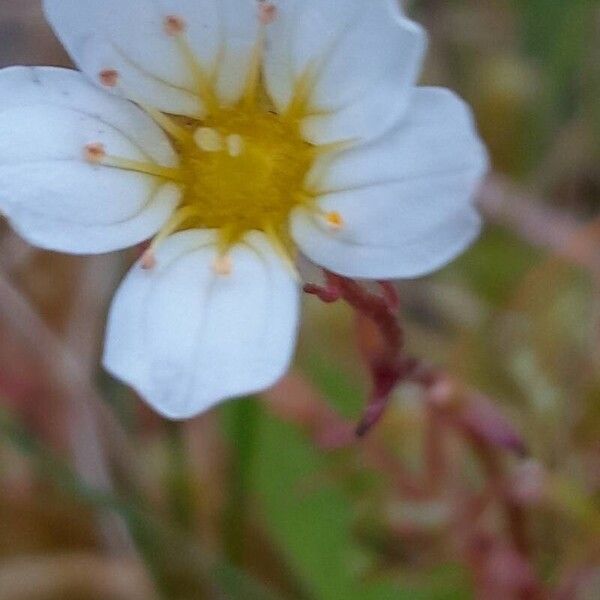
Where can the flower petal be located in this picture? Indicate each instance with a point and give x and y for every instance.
(187, 338)
(240, 25)
(155, 66)
(405, 201)
(356, 251)
(360, 60)
(55, 232)
(436, 136)
(51, 195)
(21, 87)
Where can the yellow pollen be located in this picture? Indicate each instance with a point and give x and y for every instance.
(334, 220)
(244, 170)
(223, 266)
(208, 139)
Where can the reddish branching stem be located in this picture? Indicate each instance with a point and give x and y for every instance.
(387, 367)
(471, 415)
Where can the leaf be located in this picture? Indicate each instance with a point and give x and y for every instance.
(311, 518)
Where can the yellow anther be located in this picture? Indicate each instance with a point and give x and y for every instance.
(235, 145)
(223, 265)
(334, 220)
(208, 139)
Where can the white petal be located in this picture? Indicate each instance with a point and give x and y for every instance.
(436, 136)
(405, 200)
(366, 57)
(51, 195)
(154, 67)
(52, 233)
(186, 338)
(21, 87)
(414, 258)
(240, 25)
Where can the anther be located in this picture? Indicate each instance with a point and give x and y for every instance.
(334, 220)
(174, 25)
(94, 153)
(267, 12)
(223, 265)
(235, 145)
(148, 259)
(109, 77)
(208, 139)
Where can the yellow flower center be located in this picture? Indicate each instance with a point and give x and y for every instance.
(243, 169)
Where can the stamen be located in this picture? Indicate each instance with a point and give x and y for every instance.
(169, 125)
(282, 251)
(228, 235)
(174, 25)
(235, 145)
(332, 148)
(267, 13)
(306, 83)
(109, 77)
(96, 154)
(254, 72)
(223, 265)
(303, 89)
(208, 139)
(179, 217)
(305, 196)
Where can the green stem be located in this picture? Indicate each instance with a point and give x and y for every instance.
(243, 430)
(179, 482)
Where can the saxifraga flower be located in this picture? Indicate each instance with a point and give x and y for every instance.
(237, 133)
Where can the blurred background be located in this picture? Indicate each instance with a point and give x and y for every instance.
(489, 492)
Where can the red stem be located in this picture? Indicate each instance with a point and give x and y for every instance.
(388, 369)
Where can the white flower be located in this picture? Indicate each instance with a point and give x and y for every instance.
(256, 128)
